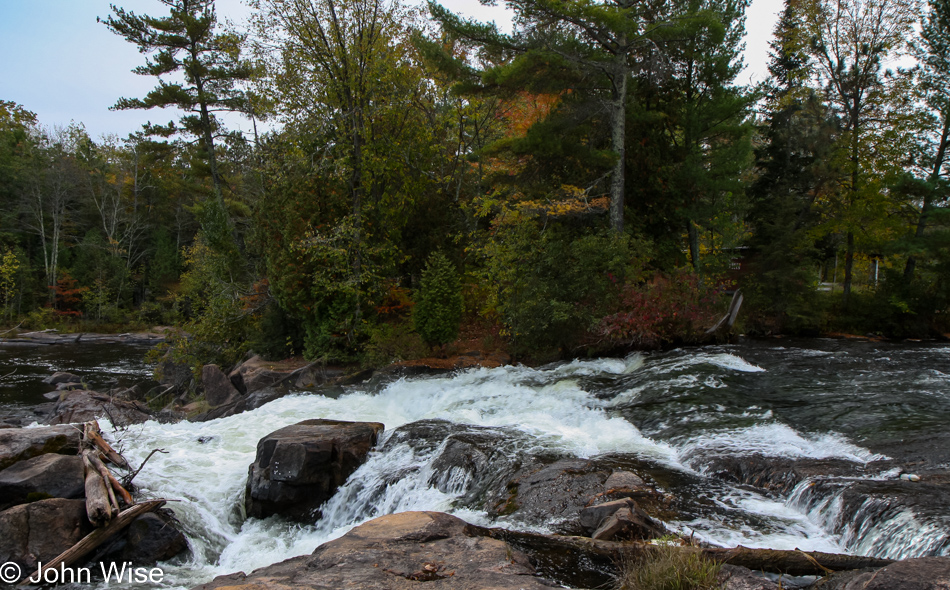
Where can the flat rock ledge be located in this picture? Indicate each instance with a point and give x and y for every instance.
(398, 552)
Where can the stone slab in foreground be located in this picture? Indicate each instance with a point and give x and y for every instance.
(398, 552)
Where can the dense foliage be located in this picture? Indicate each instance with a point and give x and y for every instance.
(595, 180)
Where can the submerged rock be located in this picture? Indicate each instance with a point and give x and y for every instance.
(397, 552)
(19, 444)
(299, 467)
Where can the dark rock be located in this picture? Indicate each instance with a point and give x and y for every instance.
(629, 524)
(46, 476)
(243, 403)
(62, 377)
(591, 517)
(313, 376)
(69, 386)
(778, 475)
(82, 406)
(41, 530)
(923, 573)
(300, 467)
(734, 577)
(217, 386)
(175, 374)
(151, 538)
(554, 493)
(400, 552)
(19, 444)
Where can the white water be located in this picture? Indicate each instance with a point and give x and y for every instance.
(206, 463)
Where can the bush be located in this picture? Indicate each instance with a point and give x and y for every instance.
(673, 308)
(438, 311)
(670, 568)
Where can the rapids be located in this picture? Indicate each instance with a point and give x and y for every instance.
(672, 413)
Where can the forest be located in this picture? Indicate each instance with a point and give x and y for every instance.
(594, 181)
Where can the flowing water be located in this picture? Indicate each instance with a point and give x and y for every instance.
(672, 414)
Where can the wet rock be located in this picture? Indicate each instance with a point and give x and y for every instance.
(553, 494)
(624, 481)
(923, 573)
(300, 467)
(60, 377)
(398, 552)
(152, 537)
(629, 523)
(46, 476)
(217, 386)
(19, 444)
(779, 475)
(82, 406)
(592, 517)
(40, 531)
(734, 577)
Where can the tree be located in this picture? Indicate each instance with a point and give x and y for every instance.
(186, 42)
(598, 47)
(438, 310)
(850, 41)
(932, 51)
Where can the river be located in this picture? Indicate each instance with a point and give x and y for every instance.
(670, 415)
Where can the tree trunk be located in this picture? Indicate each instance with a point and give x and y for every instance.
(848, 267)
(583, 553)
(618, 139)
(98, 505)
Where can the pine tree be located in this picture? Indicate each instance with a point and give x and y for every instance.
(187, 42)
(438, 310)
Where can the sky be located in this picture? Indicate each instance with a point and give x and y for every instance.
(61, 64)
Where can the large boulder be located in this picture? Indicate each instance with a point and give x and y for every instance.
(923, 573)
(151, 537)
(299, 467)
(40, 531)
(255, 373)
(45, 476)
(82, 406)
(397, 552)
(19, 444)
(218, 388)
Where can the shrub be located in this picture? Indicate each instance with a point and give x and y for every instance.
(670, 568)
(438, 310)
(669, 308)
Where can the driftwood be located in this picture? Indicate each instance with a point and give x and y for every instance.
(730, 318)
(606, 555)
(118, 489)
(107, 451)
(98, 537)
(98, 503)
(128, 479)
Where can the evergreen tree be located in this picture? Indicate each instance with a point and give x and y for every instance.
(187, 42)
(438, 310)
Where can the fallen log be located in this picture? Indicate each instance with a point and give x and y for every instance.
(606, 555)
(98, 504)
(107, 480)
(107, 450)
(118, 489)
(97, 537)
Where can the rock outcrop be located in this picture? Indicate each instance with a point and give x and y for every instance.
(82, 406)
(40, 531)
(300, 467)
(46, 476)
(19, 444)
(218, 388)
(399, 552)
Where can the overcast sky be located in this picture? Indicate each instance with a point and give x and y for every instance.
(64, 66)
